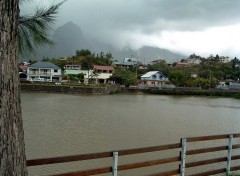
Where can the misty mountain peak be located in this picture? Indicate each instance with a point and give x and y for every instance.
(69, 38)
(70, 26)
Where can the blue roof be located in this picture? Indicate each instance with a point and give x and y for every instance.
(44, 65)
(149, 74)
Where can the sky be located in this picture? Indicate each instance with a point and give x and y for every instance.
(203, 27)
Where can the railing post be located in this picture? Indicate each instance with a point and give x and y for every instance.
(183, 156)
(229, 157)
(115, 164)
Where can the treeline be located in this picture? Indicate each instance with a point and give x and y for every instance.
(83, 57)
(205, 75)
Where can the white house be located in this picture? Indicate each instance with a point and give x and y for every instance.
(44, 71)
(152, 79)
(224, 59)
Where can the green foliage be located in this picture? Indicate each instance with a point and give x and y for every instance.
(178, 77)
(32, 61)
(86, 64)
(83, 52)
(209, 72)
(75, 78)
(160, 66)
(124, 77)
(33, 30)
(237, 96)
(211, 68)
(88, 60)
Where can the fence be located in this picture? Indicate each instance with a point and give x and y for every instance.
(180, 161)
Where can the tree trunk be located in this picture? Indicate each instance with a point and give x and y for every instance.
(12, 149)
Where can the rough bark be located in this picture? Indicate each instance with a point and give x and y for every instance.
(12, 149)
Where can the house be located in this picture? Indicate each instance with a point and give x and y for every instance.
(72, 67)
(122, 64)
(44, 71)
(152, 79)
(182, 64)
(224, 59)
(156, 61)
(188, 62)
(194, 61)
(87, 74)
(127, 63)
(101, 73)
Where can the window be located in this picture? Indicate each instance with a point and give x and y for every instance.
(55, 71)
(45, 71)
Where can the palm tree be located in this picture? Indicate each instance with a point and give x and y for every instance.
(33, 30)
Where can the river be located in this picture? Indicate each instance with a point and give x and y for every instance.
(63, 124)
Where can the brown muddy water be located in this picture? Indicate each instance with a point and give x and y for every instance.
(60, 124)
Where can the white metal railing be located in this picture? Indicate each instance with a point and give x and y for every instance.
(40, 73)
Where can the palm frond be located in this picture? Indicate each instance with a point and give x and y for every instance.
(33, 30)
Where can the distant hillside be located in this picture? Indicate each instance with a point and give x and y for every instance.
(147, 54)
(69, 38)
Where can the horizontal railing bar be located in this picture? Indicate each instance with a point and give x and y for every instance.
(167, 173)
(236, 146)
(63, 159)
(149, 149)
(148, 163)
(235, 157)
(234, 168)
(211, 149)
(214, 137)
(123, 167)
(55, 160)
(205, 162)
(217, 171)
(206, 150)
(87, 172)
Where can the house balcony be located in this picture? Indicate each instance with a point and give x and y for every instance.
(39, 73)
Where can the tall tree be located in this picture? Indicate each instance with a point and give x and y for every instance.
(27, 33)
(12, 150)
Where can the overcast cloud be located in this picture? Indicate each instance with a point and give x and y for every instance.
(203, 27)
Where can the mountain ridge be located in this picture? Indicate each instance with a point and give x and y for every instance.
(69, 37)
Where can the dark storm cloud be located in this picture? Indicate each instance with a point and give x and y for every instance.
(119, 22)
(151, 15)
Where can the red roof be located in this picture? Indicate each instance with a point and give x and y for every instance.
(101, 67)
(182, 63)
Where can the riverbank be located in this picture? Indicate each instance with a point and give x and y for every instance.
(114, 89)
(71, 89)
(186, 92)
